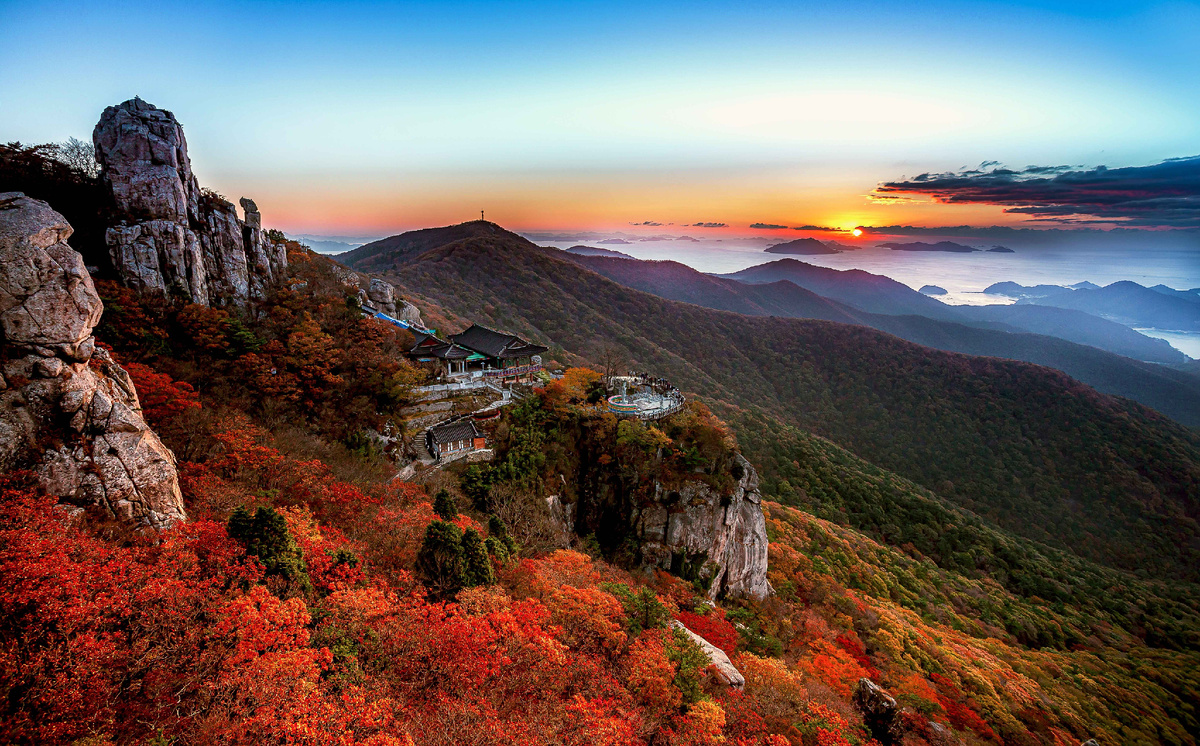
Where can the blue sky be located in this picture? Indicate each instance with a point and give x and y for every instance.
(344, 117)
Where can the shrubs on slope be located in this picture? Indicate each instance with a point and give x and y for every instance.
(1072, 602)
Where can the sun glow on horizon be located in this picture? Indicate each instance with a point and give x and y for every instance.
(856, 232)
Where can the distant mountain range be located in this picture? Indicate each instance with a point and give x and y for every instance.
(883, 295)
(1129, 303)
(863, 290)
(950, 246)
(327, 244)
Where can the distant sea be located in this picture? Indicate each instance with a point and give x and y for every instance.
(963, 275)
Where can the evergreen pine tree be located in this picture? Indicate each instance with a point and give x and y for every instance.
(496, 548)
(440, 559)
(478, 566)
(443, 505)
(497, 529)
(266, 536)
(240, 524)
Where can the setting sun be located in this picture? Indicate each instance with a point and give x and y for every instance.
(856, 232)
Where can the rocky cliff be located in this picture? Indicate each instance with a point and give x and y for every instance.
(68, 412)
(170, 236)
(720, 539)
(715, 537)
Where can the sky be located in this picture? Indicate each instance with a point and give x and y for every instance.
(369, 118)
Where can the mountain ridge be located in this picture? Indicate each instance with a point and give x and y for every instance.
(1157, 386)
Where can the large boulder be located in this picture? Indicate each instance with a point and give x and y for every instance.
(720, 539)
(171, 237)
(722, 669)
(222, 242)
(47, 300)
(67, 412)
(382, 296)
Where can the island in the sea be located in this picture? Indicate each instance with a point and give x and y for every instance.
(594, 251)
(804, 246)
(950, 246)
(933, 290)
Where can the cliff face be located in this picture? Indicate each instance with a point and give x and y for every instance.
(171, 236)
(720, 539)
(716, 536)
(66, 410)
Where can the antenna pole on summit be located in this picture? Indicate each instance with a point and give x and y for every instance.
(481, 214)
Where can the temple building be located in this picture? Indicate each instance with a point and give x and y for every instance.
(480, 351)
(455, 359)
(454, 438)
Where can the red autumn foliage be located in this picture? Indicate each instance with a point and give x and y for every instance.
(713, 627)
(163, 399)
(852, 645)
(960, 710)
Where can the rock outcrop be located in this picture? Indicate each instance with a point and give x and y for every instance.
(68, 412)
(723, 671)
(171, 237)
(881, 714)
(409, 314)
(720, 539)
(382, 296)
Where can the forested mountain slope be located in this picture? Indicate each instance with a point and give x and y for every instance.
(870, 292)
(1028, 447)
(1077, 326)
(1156, 386)
(680, 282)
(311, 598)
(385, 252)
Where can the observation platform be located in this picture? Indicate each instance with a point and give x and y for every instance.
(656, 399)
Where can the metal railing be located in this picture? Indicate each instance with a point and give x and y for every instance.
(514, 371)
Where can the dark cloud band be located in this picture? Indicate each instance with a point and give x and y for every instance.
(1162, 195)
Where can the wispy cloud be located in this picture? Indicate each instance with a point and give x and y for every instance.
(647, 222)
(817, 228)
(768, 226)
(1162, 195)
(889, 199)
(709, 225)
